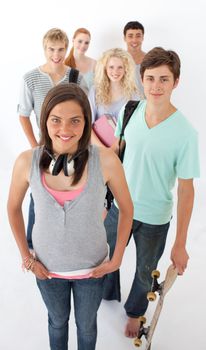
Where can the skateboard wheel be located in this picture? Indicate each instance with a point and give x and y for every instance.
(137, 342)
(142, 319)
(155, 273)
(151, 296)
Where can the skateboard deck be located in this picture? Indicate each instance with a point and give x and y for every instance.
(162, 289)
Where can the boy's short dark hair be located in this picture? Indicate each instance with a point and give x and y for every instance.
(133, 25)
(159, 57)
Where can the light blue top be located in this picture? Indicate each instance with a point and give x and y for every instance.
(88, 78)
(154, 158)
(113, 109)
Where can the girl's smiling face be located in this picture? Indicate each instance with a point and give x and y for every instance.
(65, 126)
(115, 69)
(81, 43)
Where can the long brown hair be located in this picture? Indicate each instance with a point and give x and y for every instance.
(58, 94)
(70, 60)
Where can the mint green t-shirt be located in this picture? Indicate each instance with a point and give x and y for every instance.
(154, 158)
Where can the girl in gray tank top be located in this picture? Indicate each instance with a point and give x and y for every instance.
(70, 247)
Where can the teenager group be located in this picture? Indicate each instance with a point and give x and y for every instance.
(69, 248)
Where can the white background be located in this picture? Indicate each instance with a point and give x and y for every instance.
(177, 25)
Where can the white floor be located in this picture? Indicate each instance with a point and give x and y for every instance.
(23, 317)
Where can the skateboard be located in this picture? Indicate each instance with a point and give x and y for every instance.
(162, 289)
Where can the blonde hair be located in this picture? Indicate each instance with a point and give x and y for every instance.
(70, 60)
(102, 82)
(55, 34)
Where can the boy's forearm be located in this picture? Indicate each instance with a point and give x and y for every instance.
(28, 130)
(184, 212)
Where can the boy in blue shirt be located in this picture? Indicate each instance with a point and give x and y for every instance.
(161, 146)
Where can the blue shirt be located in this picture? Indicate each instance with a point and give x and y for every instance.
(154, 158)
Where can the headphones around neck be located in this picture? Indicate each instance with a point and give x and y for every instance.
(62, 162)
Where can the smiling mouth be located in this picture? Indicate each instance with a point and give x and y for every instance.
(156, 94)
(65, 138)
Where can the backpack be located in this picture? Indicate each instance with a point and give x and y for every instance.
(128, 111)
(73, 75)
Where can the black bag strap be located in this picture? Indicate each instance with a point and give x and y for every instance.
(128, 111)
(73, 75)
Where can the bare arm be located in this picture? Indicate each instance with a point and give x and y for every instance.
(28, 130)
(115, 146)
(185, 201)
(115, 178)
(18, 188)
(95, 140)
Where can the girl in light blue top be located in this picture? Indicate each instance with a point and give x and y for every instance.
(77, 58)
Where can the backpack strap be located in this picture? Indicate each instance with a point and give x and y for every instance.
(73, 75)
(128, 111)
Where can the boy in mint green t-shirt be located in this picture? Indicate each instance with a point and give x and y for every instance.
(161, 146)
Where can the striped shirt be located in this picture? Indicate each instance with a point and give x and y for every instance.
(34, 88)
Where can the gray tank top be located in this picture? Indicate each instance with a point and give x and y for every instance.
(72, 237)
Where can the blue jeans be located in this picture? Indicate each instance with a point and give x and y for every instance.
(31, 219)
(150, 243)
(87, 296)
